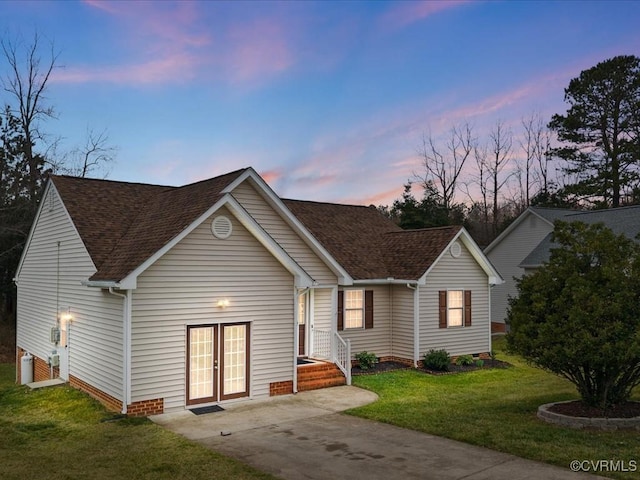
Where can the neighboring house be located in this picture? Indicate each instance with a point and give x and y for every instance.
(156, 299)
(526, 244)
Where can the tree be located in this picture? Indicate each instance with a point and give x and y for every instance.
(500, 143)
(442, 166)
(95, 155)
(601, 130)
(577, 316)
(26, 84)
(535, 144)
(410, 213)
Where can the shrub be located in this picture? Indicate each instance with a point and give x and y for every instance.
(464, 360)
(437, 360)
(493, 355)
(479, 363)
(577, 316)
(366, 360)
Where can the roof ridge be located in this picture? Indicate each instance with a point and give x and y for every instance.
(108, 180)
(327, 203)
(427, 229)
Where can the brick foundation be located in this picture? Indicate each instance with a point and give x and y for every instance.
(280, 388)
(497, 327)
(146, 407)
(107, 400)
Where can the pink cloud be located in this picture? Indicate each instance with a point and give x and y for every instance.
(177, 67)
(271, 176)
(405, 13)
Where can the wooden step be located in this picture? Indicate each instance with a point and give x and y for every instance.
(319, 375)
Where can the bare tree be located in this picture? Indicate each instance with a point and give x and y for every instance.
(96, 154)
(27, 82)
(535, 144)
(500, 144)
(443, 165)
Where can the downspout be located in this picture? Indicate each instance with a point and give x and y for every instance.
(126, 345)
(416, 323)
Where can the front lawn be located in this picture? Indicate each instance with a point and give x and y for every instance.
(60, 433)
(495, 409)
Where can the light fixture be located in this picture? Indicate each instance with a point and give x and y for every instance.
(65, 315)
(223, 303)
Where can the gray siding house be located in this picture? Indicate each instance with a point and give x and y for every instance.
(526, 244)
(158, 299)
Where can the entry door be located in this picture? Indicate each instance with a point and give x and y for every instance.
(218, 362)
(63, 348)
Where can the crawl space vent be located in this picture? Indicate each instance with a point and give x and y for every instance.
(221, 227)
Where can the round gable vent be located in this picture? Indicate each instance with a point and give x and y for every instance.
(455, 250)
(221, 227)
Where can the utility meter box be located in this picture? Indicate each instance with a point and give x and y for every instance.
(54, 335)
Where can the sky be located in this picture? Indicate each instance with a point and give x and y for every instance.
(328, 101)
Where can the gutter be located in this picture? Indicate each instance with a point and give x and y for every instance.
(416, 322)
(126, 346)
(385, 281)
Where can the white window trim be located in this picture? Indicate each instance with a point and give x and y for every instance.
(461, 308)
(361, 309)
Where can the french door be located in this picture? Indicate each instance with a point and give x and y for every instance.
(217, 362)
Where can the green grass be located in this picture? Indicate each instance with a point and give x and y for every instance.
(495, 409)
(60, 433)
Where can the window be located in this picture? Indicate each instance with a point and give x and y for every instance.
(454, 308)
(353, 308)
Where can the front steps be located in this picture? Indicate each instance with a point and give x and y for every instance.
(319, 375)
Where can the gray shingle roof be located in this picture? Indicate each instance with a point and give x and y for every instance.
(622, 221)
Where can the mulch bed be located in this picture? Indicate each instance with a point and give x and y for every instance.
(453, 368)
(579, 409)
(382, 367)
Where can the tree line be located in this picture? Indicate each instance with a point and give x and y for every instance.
(27, 154)
(588, 158)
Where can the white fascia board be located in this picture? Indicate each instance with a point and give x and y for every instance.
(303, 279)
(511, 227)
(49, 188)
(493, 276)
(274, 200)
(130, 281)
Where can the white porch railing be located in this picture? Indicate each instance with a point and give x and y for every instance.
(334, 348)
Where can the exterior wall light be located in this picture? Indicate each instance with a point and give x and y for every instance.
(223, 303)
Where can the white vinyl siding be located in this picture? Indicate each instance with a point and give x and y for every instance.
(183, 287)
(461, 273)
(282, 233)
(403, 322)
(508, 254)
(95, 331)
(377, 339)
(323, 310)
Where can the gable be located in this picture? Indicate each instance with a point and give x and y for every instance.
(275, 225)
(52, 224)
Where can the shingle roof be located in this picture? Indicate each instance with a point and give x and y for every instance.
(369, 245)
(123, 224)
(553, 214)
(622, 221)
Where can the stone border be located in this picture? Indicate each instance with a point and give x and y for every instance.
(585, 422)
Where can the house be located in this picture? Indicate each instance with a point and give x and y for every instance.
(156, 299)
(526, 244)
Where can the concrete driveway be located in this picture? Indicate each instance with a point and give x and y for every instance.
(304, 437)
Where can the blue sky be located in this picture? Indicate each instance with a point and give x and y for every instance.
(327, 100)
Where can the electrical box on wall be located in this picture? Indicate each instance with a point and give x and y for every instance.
(54, 360)
(54, 336)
